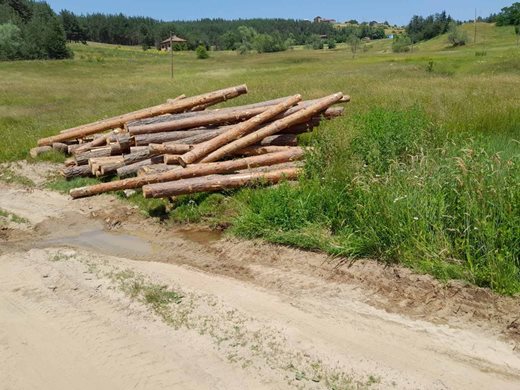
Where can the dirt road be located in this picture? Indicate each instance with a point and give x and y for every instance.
(93, 295)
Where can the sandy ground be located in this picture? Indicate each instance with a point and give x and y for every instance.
(77, 310)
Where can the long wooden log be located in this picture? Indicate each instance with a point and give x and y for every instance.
(170, 149)
(105, 151)
(280, 140)
(259, 150)
(191, 171)
(172, 117)
(156, 168)
(237, 131)
(74, 171)
(273, 128)
(131, 170)
(118, 121)
(159, 138)
(217, 183)
(203, 119)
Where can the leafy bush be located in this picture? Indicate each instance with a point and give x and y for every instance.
(315, 42)
(40, 30)
(11, 42)
(457, 36)
(202, 52)
(331, 44)
(265, 43)
(401, 44)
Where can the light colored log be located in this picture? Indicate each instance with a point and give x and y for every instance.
(132, 169)
(217, 183)
(39, 150)
(170, 149)
(259, 150)
(171, 117)
(191, 171)
(60, 147)
(275, 127)
(203, 119)
(74, 171)
(156, 168)
(237, 131)
(159, 138)
(118, 121)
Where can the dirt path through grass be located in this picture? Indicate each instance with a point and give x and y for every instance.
(194, 311)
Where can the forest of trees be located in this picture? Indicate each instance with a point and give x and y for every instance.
(30, 30)
(424, 28)
(220, 34)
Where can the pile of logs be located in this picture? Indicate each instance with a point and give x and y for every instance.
(182, 147)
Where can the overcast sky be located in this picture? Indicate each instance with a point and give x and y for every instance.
(395, 11)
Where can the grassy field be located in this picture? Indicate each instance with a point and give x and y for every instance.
(423, 169)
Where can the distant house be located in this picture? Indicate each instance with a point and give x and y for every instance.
(167, 44)
(390, 36)
(319, 19)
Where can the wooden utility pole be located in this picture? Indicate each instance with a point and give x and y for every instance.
(171, 50)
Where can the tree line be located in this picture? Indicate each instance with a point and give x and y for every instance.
(30, 30)
(220, 34)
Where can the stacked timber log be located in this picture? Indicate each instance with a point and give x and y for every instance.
(183, 146)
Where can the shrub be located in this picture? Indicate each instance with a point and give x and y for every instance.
(401, 44)
(315, 42)
(331, 44)
(11, 42)
(202, 52)
(457, 36)
(265, 43)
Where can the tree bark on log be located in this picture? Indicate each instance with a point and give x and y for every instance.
(60, 147)
(237, 131)
(171, 159)
(202, 119)
(217, 183)
(170, 149)
(298, 117)
(259, 150)
(39, 150)
(173, 117)
(280, 140)
(156, 168)
(118, 121)
(74, 171)
(159, 138)
(105, 151)
(131, 170)
(191, 171)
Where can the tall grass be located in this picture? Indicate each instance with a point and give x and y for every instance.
(403, 190)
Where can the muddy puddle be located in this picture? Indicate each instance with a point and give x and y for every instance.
(202, 237)
(114, 244)
(126, 245)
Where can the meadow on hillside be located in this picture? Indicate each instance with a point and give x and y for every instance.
(424, 168)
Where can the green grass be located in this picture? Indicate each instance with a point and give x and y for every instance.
(423, 168)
